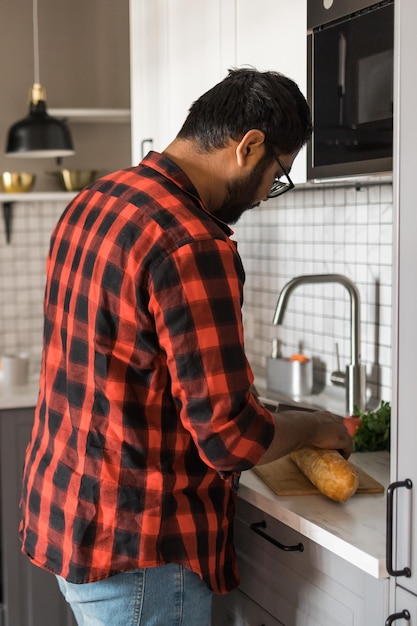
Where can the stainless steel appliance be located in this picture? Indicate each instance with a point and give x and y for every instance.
(350, 87)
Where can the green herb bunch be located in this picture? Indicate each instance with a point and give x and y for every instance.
(374, 432)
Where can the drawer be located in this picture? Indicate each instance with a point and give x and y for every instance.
(237, 609)
(311, 587)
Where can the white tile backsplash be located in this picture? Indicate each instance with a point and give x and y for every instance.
(306, 231)
(22, 276)
(313, 231)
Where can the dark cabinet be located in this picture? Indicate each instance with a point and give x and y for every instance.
(30, 596)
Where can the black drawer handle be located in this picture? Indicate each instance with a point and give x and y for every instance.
(256, 527)
(403, 615)
(407, 483)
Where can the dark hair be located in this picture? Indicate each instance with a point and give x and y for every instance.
(248, 99)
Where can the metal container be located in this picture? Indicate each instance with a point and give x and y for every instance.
(17, 182)
(74, 180)
(292, 378)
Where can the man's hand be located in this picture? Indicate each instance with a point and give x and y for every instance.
(295, 428)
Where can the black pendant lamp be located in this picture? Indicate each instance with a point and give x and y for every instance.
(38, 135)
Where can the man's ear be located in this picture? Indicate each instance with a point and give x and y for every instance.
(251, 148)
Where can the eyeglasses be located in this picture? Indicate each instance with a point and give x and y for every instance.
(278, 186)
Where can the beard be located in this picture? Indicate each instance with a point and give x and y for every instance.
(241, 194)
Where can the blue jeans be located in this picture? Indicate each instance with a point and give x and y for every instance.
(169, 595)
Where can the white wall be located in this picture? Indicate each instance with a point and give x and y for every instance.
(83, 63)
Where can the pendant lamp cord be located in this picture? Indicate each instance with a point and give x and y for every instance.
(35, 41)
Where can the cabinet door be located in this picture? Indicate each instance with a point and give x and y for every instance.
(272, 35)
(312, 587)
(236, 609)
(199, 52)
(148, 52)
(30, 595)
(179, 50)
(406, 611)
(405, 266)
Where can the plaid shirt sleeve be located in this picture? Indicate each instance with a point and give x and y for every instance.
(196, 300)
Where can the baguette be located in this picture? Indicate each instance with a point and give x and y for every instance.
(328, 471)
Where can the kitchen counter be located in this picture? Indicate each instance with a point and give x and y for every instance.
(19, 396)
(353, 530)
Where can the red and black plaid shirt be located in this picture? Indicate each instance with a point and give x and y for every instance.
(144, 417)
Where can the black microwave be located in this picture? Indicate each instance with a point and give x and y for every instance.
(350, 46)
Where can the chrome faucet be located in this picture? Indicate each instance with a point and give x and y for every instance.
(354, 379)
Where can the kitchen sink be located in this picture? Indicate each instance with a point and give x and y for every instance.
(331, 399)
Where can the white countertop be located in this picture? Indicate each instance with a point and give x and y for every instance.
(353, 530)
(18, 397)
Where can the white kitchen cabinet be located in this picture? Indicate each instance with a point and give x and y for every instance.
(237, 609)
(181, 48)
(147, 76)
(404, 554)
(272, 35)
(30, 596)
(404, 616)
(312, 587)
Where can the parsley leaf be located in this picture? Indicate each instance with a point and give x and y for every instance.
(374, 432)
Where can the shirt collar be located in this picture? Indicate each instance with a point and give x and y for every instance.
(173, 172)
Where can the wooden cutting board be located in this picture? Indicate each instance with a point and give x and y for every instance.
(285, 479)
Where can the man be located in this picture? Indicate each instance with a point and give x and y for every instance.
(145, 415)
